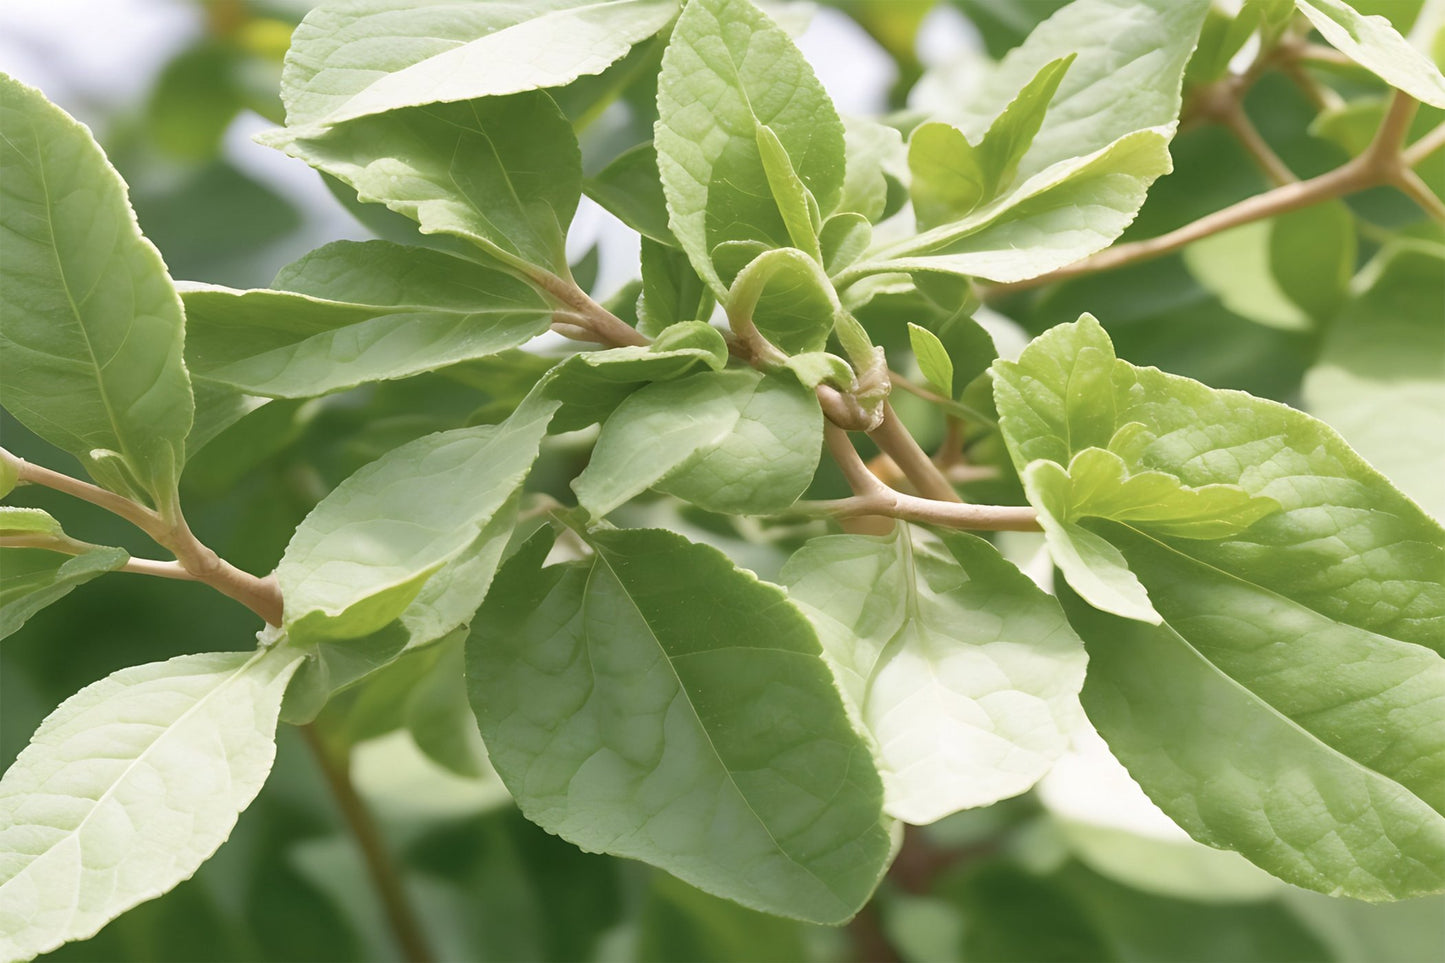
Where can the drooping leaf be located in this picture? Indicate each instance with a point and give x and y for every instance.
(1311, 636)
(31, 579)
(965, 674)
(351, 313)
(727, 70)
(1380, 380)
(657, 703)
(350, 60)
(367, 551)
(1375, 44)
(786, 295)
(128, 787)
(90, 345)
(730, 441)
(504, 173)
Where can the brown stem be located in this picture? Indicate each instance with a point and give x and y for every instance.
(71, 546)
(1425, 146)
(1413, 186)
(379, 865)
(1381, 163)
(170, 531)
(926, 511)
(589, 314)
(862, 481)
(894, 439)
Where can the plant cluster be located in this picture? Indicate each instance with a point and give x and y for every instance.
(592, 529)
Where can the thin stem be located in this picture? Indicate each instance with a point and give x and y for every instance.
(588, 313)
(1425, 146)
(71, 546)
(1415, 188)
(1238, 123)
(911, 508)
(379, 865)
(1381, 163)
(859, 478)
(894, 439)
(170, 531)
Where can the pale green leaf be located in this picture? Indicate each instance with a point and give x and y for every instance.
(31, 579)
(1012, 132)
(729, 441)
(366, 552)
(948, 179)
(843, 239)
(1234, 266)
(27, 521)
(1130, 64)
(128, 787)
(874, 153)
(933, 359)
(965, 674)
(1380, 380)
(789, 192)
(351, 59)
(505, 173)
(9, 476)
(90, 344)
(657, 703)
(1057, 216)
(785, 293)
(352, 313)
(727, 70)
(1375, 44)
(1311, 746)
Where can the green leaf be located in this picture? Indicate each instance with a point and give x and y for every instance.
(27, 521)
(727, 71)
(671, 290)
(679, 922)
(349, 60)
(591, 385)
(1380, 380)
(630, 189)
(964, 673)
(731, 441)
(789, 192)
(1057, 216)
(1373, 43)
(786, 295)
(366, 552)
(1289, 663)
(1126, 77)
(1345, 543)
(948, 177)
(843, 239)
(1012, 132)
(90, 346)
(31, 579)
(933, 359)
(128, 787)
(361, 312)
(657, 703)
(9, 476)
(1310, 745)
(505, 173)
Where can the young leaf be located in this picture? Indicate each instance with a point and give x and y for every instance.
(128, 787)
(1345, 542)
(948, 179)
(657, 703)
(31, 579)
(965, 674)
(727, 70)
(349, 60)
(90, 344)
(729, 441)
(1013, 131)
(360, 312)
(27, 522)
(875, 152)
(786, 295)
(789, 192)
(1130, 63)
(505, 173)
(1374, 44)
(1380, 380)
(933, 359)
(1059, 215)
(671, 290)
(366, 551)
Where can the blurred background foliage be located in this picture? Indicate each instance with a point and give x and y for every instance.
(1083, 869)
